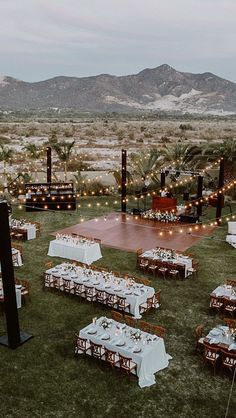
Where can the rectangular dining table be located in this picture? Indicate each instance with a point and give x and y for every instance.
(83, 252)
(149, 353)
(135, 294)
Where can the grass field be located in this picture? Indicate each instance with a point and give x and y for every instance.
(42, 377)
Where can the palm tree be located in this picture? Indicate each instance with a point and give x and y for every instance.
(5, 156)
(64, 152)
(183, 156)
(227, 149)
(146, 165)
(33, 152)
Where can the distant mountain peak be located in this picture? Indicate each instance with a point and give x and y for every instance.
(153, 89)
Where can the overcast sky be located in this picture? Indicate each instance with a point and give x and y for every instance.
(40, 39)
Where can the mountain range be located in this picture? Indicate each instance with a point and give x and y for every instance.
(159, 89)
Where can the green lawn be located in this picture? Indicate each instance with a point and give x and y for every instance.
(42, 378)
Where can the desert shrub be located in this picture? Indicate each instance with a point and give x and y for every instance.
(186, 127)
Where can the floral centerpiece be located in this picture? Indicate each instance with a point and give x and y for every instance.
(105, 323)
(234, 335)
(136, 336)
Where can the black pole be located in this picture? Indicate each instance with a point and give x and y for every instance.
(123, 179)
(220, 196)
(14, 337)
(49, 165)
(199, 195)
(163, 180)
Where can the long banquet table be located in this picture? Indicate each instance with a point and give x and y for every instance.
(181, 260)
(149, 354)
(135, 293)
(83, 252)
(28, 229)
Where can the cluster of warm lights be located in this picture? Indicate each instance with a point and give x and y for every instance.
(215, 194)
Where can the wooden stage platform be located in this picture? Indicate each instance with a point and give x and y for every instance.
(126, 232)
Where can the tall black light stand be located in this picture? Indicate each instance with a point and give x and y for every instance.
(14, 337)
(220, 196)
(123, 179)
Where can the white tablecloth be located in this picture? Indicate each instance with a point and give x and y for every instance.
(18, 295)
(18, 262)
(231, 239)
(221, 335)
(181, 260)
(225, 291)
(85, 253)
(29, 228)
(135, 295)
(232, 228)
(151, 359)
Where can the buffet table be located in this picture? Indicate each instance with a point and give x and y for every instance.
(84, 252)
(149, 353)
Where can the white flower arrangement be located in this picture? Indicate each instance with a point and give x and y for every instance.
(160, 216)
(105, 323)
(136, 336)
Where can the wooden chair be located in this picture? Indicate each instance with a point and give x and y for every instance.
(159, 331)
(117, 316)
(129, 320)
(81, 345)
(79, 289)
(97, 350)
(199, 336)
(230, 322)
(15, 259)
(146, 306)
(216, 303)
(193, 271)
(111, 357)
(122, 304)
(68, 286)
(100, 296)
(38, 227)
(111, 300)
(139, 252)
(145, 326)
(229, 306)
(48, 265)
(90, 294)
(58, 284)
(231, 282)
(127, 365)
(228, 359)
(49, 280)
(25, 290)
(173, 273)
(152, 267)
(163, 270)
(211, 354)
(143, 265)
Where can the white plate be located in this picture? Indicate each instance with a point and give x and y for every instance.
(105, 337)
(92, 331)
(120, 343)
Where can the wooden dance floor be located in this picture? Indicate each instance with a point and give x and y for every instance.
(125, 232)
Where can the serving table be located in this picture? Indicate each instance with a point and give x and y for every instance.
(86, 252)
(148, 353)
